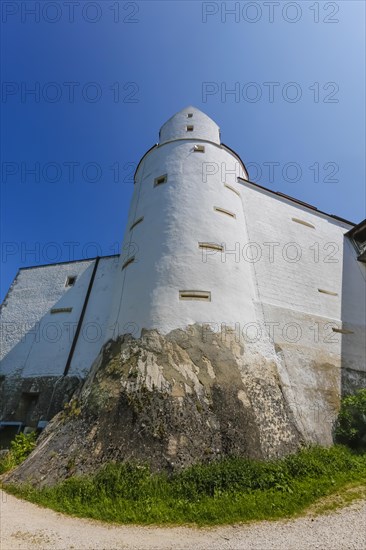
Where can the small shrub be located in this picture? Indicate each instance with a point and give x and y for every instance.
(21, 447)
(350, 427)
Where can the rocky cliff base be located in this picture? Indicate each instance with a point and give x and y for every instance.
(170, 401)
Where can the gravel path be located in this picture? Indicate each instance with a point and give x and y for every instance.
(27, 526)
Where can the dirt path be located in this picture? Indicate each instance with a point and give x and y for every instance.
(26, 526)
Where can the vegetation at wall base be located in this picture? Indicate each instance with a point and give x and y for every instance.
(228, 491)
(351, 423)
(21, 447)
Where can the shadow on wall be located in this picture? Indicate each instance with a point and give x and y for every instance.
(353, 314)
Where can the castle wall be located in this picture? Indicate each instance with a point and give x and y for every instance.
(316, 335)
(95, 329)
(40, 315)
(302, 261)
(40, 319)
(34, 341)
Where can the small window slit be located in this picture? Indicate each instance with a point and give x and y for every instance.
(303, 222)
(190, 127)
(201, 295)
(160, 179)
(232, 189)
(223, 211)
(61, 310)
(211, 246)
(330, 292)
(70, 280)
(199, 148)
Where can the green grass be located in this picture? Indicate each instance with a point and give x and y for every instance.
(228, 491)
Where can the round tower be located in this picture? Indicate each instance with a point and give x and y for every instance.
(181, 260)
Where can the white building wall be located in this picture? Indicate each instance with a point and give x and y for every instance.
(94, 331)
(314, 333)
(353, 309)
(299, 261)
(295, 260)
(36, 342)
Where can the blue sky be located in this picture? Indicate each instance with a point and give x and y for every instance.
(108, 74)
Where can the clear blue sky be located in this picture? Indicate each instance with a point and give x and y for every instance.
(142, 62)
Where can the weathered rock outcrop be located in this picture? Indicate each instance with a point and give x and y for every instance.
(170, 401)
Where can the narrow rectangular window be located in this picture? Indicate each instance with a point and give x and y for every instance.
(139, 220)
(61, 310)
(232, 189)
(190, 115)
(70, 280)
(160, 179)
(330, 292)
(303, 222)
(128, 262)
(190, 128)
(211, 246)
(201, 295)
(199, 148)
(223, 211)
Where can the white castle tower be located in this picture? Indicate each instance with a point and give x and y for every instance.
(185, 216)
(203, 245)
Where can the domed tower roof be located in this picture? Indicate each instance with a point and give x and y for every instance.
(190, 123)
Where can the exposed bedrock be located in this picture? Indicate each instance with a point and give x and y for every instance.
(186, 397)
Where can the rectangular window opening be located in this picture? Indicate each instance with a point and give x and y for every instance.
(160, 179)
(303, 222)
(330, 292)
(211, 246)
(232, 189)
(201, 295)
(189, 115)
(70, 280)
(223, 211)
(190, 127)
(139, 220)
(128, 262)
(61, 310)
(199, 148)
